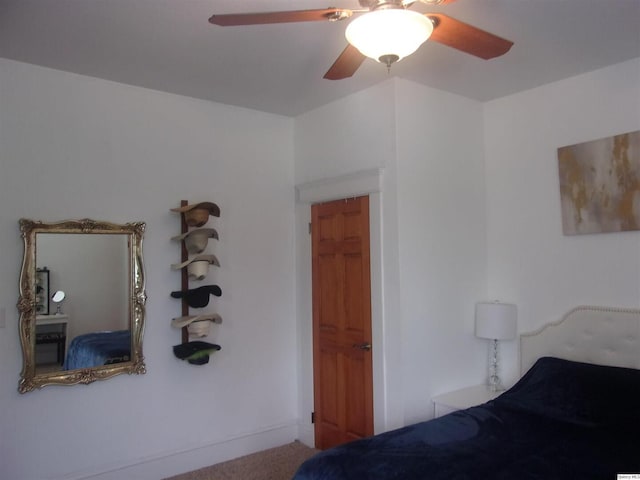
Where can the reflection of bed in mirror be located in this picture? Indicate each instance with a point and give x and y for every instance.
(98, 348)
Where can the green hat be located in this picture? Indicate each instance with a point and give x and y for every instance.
(196, 352)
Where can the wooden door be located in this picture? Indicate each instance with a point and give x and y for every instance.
(342, 360)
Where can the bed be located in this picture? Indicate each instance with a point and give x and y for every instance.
(574, 413)
(98, 348)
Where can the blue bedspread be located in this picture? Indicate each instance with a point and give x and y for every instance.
(533, 431)
(99, 348)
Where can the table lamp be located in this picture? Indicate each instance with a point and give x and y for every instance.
(495, 321)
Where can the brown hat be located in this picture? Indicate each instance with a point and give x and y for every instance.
(197, 215)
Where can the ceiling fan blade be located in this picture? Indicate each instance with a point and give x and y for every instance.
(467, 38)
(430, 2)
(261, 18)
(346, 64)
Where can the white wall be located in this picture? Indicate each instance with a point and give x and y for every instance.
(470, 212)
(351, 135)
(442, 242)
(433, 239)
(530, 261)
(75, 147)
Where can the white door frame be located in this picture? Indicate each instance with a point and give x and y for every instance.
(367, 182)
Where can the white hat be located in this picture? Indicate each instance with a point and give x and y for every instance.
(180, 322)
(198, 266)
(199, 329)
(196, 240)
(197, 325)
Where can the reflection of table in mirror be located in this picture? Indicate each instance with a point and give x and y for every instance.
(51, 330)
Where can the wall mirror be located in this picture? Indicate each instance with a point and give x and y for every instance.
(95, 279)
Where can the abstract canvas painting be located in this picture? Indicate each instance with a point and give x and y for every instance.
(600, 185)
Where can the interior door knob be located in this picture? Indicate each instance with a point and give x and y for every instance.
(362, 346)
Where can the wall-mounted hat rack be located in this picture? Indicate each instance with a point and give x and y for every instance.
(194, 241)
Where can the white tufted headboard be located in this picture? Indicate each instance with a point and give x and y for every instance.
(600, 335)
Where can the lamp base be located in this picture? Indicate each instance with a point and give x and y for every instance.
(494, 383)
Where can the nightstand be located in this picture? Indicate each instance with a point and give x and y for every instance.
(52, 329)
(461, 399)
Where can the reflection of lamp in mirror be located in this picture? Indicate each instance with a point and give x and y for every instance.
(57, 298)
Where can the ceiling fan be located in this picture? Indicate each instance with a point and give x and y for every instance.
(381, 32)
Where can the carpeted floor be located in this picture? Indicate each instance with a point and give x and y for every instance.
(278, 463)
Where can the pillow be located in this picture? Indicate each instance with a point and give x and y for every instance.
(577, 393)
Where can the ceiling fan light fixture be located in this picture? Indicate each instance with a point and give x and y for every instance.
(389, 35)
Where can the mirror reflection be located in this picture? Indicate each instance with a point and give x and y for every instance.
(57, 298)
(82, 301)
(94, 329)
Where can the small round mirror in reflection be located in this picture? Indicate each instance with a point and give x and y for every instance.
(57, 298)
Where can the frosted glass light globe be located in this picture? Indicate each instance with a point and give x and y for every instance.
(389, 35)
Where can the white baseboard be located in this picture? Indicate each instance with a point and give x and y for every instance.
(306, 434)
(174, 463)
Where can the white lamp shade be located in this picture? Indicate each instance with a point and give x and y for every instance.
(389, 32)
(496, 321)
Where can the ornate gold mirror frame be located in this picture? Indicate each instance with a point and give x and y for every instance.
(29, 378)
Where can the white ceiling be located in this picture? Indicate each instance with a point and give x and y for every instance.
(169, 45)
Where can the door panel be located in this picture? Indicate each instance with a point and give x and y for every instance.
(343, 383)
(353, 290)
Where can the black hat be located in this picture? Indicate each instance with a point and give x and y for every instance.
(198, 297)
(196, 352)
